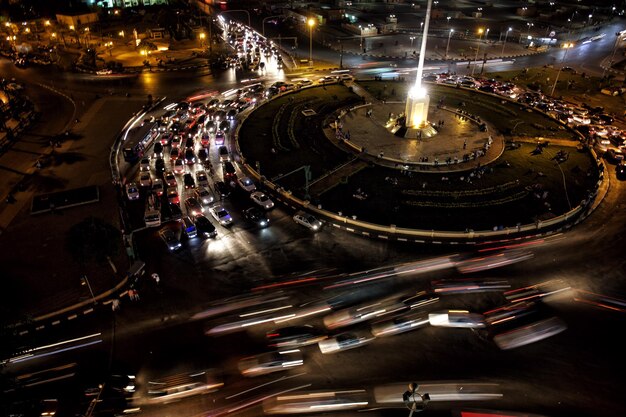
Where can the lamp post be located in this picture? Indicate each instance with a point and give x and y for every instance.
(529, 26)
(411, 38)
(448, 19)
(202, 37)
(505, 36)
(448, 44)
(567, 47)
(589, 19)
(311, 23)
(85, 281)
(480, 33)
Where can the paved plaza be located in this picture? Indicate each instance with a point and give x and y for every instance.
(459, 144)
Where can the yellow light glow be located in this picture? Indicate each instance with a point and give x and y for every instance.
(86, 29)
(142, 52)
(47, 23)
(27, 30)
(8, 38)
(311, 22)
(54, 34)
(71, 27)
(121, 33)
(202, 36)
(480, 31)
(7, 24)
(417, 92)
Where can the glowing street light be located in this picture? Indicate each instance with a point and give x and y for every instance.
(202, 37)
(71, 27)
(448, 44)
(47, 23)
(311, 23)
(121, 33)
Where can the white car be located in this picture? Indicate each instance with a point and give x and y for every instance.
(204, 196)
(104, 72)
(144, 164)
(345, 341)
(170, 179)
(201, 179)
(222, 215)
(132, 191)
(145, 180)
(246, 184)
(457, 318)
(307, 220)
(401, 324)
(262, 200)
(270, 362)
(179, 166)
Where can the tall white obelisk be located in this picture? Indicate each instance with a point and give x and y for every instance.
(417, 100)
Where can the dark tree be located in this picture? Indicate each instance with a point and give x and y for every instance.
(93, 239)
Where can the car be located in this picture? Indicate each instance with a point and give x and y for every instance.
(144, 164)
(270, 362)
(175, 142)
(205, 227)
(224, 125)
(345, 341)
(222, 188)
(400, 324)
(222, 215)
(223, 153)
(166, 138)
(170, 239)
(620, 170)
(190, 157)
(346, 77)
(170, 179)
(203, 154)
(132, 191)
(189, 181)
(157, 151)
(294, 336)
(159, 165)
(145, 179)
(104, 71)
(231, 114)
(220, 137)
(246, 184)
(193, 206)
(457, 318)
(174, 154)
(262, 200)
(175, 213)
(205, 139)
(211, 127)
(179, 166)
(189, 142)
(157, 186)
(307, 220)
(219, 115)
(172, 195)
(202, 179)
(256, 216)
(229, 172)
(204, 196)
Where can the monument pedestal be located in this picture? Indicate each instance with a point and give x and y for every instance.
(417, 126)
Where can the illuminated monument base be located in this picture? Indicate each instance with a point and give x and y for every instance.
(417, 126)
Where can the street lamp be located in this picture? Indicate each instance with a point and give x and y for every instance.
(567, 46)
(202, 36)
(448, 19)
(480, 33)
(529, 26)
(121, 33)
(448, 44)
(505, 36)
(411, 38)
(311, 23)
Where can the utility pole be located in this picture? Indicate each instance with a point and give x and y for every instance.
(85, 281)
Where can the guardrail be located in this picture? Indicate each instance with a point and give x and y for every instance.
(392, 232)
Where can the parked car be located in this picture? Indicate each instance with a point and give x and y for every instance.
(205, 227)
(222, 188)
(270, 362)
(159, 165)
(262, 200)
(220, 137)
(203, 154)
(307, 220)
(222, 215)
(170, 239)
(175, 142)
(157, 151)
(132, 191)
(174, 154)
(157, 186)
(190, 156)
(172, 195)
(256, 216)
